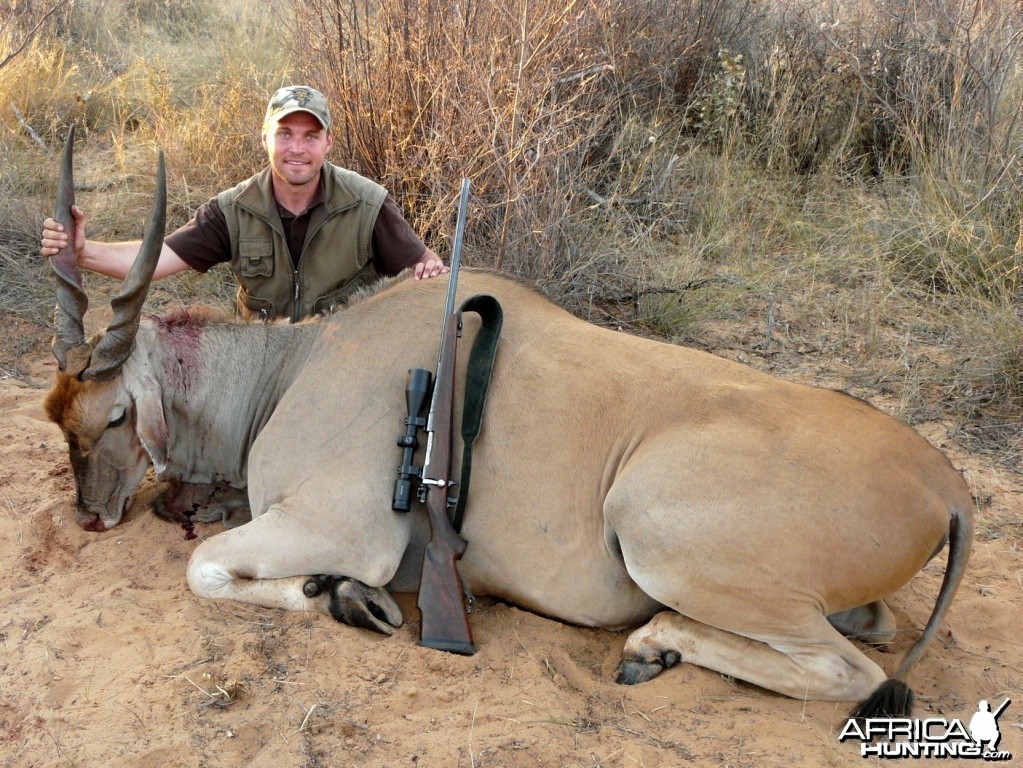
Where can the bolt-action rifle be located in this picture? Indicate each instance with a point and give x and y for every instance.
(442, 598)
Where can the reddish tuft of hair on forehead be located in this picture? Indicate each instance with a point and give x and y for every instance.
(62, 400)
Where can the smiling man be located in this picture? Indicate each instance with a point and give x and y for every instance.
(301, 236)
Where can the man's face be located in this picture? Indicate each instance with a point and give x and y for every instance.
(297, 145)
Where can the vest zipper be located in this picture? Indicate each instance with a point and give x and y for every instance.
(314, 227)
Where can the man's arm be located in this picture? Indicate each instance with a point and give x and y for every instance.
(111, 259)
(397, 247)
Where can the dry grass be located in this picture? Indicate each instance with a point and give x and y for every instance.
(839, 179)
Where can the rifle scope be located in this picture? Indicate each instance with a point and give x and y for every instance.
(417, 386)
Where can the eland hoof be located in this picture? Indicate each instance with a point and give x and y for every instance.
(633, 670)
(355, 604)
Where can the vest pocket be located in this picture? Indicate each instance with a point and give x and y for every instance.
(331, 301)
(255, 258)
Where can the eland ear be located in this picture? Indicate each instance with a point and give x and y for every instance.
(151, 426)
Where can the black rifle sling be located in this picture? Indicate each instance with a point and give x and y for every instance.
(477, 383)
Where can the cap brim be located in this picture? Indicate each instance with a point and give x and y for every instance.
(291, 110)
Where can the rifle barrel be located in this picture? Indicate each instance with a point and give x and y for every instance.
(456, 248)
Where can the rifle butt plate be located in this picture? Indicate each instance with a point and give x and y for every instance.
(450, 646)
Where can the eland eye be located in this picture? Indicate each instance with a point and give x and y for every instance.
(118, 421)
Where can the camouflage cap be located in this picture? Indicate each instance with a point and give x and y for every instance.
(298, 98)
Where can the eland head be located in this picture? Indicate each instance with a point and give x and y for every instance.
(89, 401)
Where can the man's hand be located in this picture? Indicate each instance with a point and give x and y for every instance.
(429, 265)
(110, 259)
(54, 237)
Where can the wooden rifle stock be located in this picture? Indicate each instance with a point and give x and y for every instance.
(442, 602)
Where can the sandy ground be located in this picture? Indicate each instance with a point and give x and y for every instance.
(108, 660)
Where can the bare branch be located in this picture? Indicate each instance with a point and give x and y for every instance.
(32, 33)
(30, 130)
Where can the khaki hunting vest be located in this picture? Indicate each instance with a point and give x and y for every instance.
(335, 257)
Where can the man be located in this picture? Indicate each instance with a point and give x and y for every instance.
(301, 236)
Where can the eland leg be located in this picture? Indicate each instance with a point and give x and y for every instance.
(277, 561)
(873, 624)
(820, 664)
